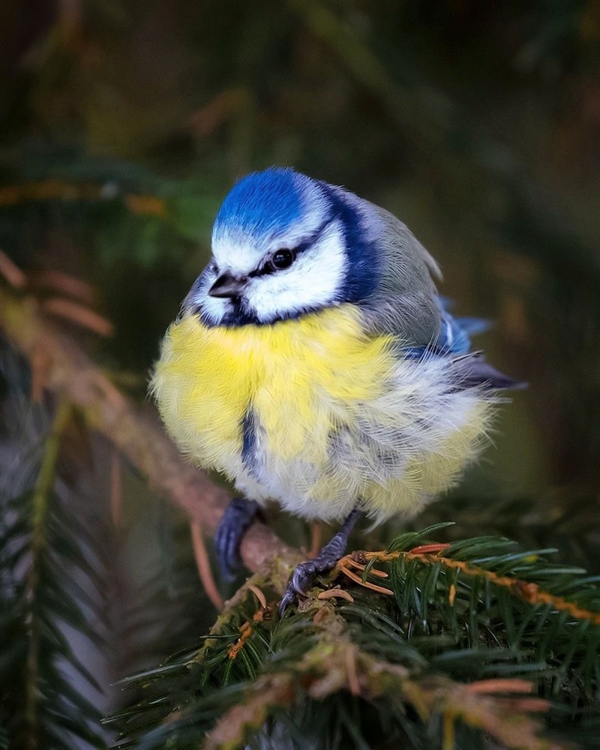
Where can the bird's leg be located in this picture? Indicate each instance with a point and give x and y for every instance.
(326, 559)
(238, 516)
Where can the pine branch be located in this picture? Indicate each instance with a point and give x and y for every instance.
(336, 664)
(43, 487)
(49, 573)
(456, 653)
(430, 555)
(131, 206)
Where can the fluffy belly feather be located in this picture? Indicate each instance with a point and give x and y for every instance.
(315, 414)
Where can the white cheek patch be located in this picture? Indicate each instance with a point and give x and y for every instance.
(313, 280)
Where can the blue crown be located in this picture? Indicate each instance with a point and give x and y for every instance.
(261, 203)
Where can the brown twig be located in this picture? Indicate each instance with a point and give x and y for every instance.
(64, 284)
(116, 494)
(203, 565)
(336, 593)
(429, 554)
(316, 539)
(83, 316)
(246, 630)
(11, 272)
(44, 190)
(135, 433)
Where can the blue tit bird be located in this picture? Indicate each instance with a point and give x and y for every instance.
(314, 364)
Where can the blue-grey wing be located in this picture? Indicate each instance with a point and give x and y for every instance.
(408, 305)
(454, 334)
(469, 368)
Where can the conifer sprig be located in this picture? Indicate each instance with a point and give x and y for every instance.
(50, 581)
(456, 653)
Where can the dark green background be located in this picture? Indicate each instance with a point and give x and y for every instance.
(477, 123)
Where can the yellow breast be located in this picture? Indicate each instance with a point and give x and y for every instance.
(337, 418)
(300, 377)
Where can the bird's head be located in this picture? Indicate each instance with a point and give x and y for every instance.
(283, 245)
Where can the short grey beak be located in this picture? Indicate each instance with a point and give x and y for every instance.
(228, 286)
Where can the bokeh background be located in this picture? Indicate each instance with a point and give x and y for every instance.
(123, 123)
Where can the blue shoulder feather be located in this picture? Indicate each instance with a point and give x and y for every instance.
(455, 334)
(454, 341)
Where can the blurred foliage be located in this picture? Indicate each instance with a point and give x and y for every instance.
(93, 571)
(122, 125)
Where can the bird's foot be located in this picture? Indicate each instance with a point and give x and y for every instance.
(238, 516)
(302, 579)
(304, 574)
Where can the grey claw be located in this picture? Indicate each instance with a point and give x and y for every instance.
(304, 573)
(238, 516)
(302, 577)
(301, 580)
(287, 599)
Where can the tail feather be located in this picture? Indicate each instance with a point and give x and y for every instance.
(473, 371)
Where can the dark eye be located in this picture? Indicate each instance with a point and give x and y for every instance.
(282, 259)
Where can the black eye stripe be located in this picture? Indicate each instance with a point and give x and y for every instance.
(300, 248)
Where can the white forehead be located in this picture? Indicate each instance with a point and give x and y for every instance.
(241, 249)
